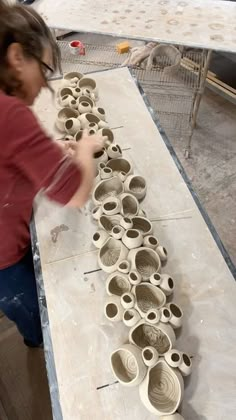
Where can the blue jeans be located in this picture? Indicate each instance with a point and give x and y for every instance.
(19, 300)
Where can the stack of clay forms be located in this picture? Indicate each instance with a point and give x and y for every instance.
(139, 292)
(77, 99)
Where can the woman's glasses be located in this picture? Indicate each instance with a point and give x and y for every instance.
(47, 70)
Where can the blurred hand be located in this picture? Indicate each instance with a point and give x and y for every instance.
(92, 143)
(87, 144)
(66, 147)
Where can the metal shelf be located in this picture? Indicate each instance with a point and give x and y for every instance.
(171, 95)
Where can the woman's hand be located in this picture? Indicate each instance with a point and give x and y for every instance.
(87, 144)
(83, 155)
(65, 146)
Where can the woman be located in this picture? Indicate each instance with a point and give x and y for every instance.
(30, 161)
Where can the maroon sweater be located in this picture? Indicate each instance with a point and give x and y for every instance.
(29, 162)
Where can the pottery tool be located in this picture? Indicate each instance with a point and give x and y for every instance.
(123, 47)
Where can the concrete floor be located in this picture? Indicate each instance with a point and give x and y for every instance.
(24, 393)
(212, 168)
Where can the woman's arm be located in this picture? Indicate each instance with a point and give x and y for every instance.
(64, 179)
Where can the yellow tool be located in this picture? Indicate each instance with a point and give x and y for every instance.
(123, 47)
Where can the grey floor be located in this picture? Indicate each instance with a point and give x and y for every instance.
(212, 167)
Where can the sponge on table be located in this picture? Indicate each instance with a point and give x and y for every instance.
(123, 47)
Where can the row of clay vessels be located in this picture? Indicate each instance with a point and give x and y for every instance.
(139, 294)
(76, 99)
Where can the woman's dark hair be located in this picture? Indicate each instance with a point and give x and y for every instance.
(22, 24)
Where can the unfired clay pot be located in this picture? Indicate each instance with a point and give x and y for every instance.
(107, 188)
(106, 132)
(106, 173)
(160, 336)
(165, 57)
(90, 84)
(131, 317)
(71, 79)
(93, 125)
(124, 267)
(152, 316)
(78, 136)
(87, 92)
(167, 284)
(108, 222)
(132, 238)
(126, 222)
(176, 318)
(148, 297)
(128, 366)
(111, 205)
(72, 126)
(84, 98)
(122, 175)
(150, 356)
(101, 166)
(68, 101)
(155, 279)
(97, 212)
(173, 357)
(150, 241)
(76, 92)
(99, 112)
(162, 252)
(120, 165)
(114, 151)
(63, 115)
(143, 225)
(185, 366)
(135, 278)
(84, 107)
(91, 132)
(117, 232)
(165, 314)
(113, 309)
(70, 82)
(103, 124)
(145, 261)
(100, 156)
(63, 92)
(136, 185)
(162, 389)
(110, 255)
(86, 119)
(99, 238)
(117, 284)
(127, 300)
(129, 205)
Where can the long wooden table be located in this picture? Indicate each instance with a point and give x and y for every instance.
(78, 338)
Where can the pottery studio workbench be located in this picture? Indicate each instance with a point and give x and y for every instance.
(78, 338)
(206, 24)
